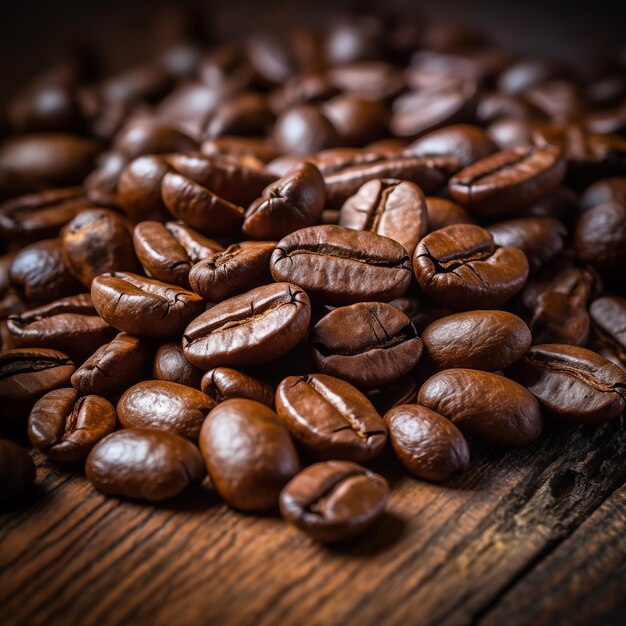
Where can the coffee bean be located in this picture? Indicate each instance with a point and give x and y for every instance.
(17, 472)
(487, 406)
(144, 306)
(482, 340)
(65, 426)
(171, 365)
(223, 383)
(609, 321)
(249, 329)
(337, 265)
(391, 208)
(606, 190)
(246, 113)
(358, 120)
(428, 445)
(144, 464)
(460, 266)
(441, 213)
(334, 501)
(303, 129)
(248, 453)
(152, 138)
(573, 384)
(330, 418)
(382, 344)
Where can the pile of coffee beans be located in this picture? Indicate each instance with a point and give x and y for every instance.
(268, 261)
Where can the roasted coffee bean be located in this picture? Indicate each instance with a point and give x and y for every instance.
(334, 501)
(428, 445)
(162, 405)
(144, 306)
(294, 201)
(248, 454)
(441, 213)
(112, 366)
(391, 208)
(223, 383)
(17, 472)
(572, 384)
(460, 266)
(481, 340)
(465, 142)
(337, 265)
(511, 133)
(606, 190)
(330, 418)
(65, 426)
(249, 329)
(381, 346)
(303, 129)
(26, 374)
(506, 182)
(101, 185)
(374, 80)
(488, 406)
(539, 238)
(152, 138)
(608, 315)
(170, 364)
(98, 241)
(70, 324)
(168, 251)
(358, 120)
(239, 147)
(232, 271)
(40, 274)
(244, 114)
(144, 464)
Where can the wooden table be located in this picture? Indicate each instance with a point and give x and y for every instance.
(532, 536)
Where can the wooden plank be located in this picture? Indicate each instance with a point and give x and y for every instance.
(442, 555)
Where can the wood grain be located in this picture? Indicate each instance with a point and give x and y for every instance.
(480, 548)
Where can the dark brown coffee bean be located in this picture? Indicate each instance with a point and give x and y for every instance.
(334, 501)
(608, 315)
(294, 201)
(481, 340)
(606, 190)
(330, 418)
(461, 267)
(232, 271)
(65, 426)
(358, 120)
(144, 306)
(341, 266)
(510, 133)
(572, 384)
(304, 129)
(380, 347)
(223, 383)
(170, 364)
(373, 80)
(112, 366)
(391, 208)
(70, 324)
(249, 329)
(98, 241)
(161, 405)
(17, 472)
(428, 445)
(152, 138)
(144, 464)
(239, 147)
(508, 181)
(26, 374)
(488, 406)
(441, 213)
(244, 114)
(248, 454)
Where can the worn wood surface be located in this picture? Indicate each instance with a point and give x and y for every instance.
(531, 536)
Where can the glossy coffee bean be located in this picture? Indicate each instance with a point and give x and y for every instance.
(143, 306)
(608, 315)
(171, 365)
(382, 344)
(334, 501)
(248, 454)
(481, 340)
(26, 374)
(223, 383)
(428, 445)
(303, 129)
(17, 472)
(112, 366)
(487, 406)
(460, 266)
(572, 384)
(152, 138)
(246, 113)
(606, 190)
(330, 418)
(441, 213)
(161, 405)
(337, 265)
(391, 208)
(249, 329)
(144, 464)
(294, 201)
(508, 181)
(232, 271)
(358, 120)
(65, 426)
